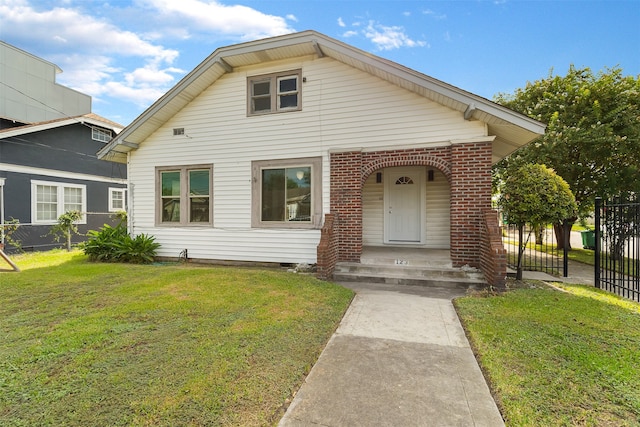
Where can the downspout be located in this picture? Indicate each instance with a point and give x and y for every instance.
(2, 211)
(129, 199)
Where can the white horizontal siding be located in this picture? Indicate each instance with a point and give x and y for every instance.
(438, 225)
(342, 108)
(238, 245)
(372, 212)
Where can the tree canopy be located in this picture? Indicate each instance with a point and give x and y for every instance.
(593, 136)
(534, 194)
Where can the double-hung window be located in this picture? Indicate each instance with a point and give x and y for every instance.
(274, 93)
(116, 199)
(184, 195)
(49, 200)
(287, 193)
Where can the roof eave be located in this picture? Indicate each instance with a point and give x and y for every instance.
(472, 106)
(38, 127)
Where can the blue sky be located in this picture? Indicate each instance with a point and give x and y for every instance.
(126, 54)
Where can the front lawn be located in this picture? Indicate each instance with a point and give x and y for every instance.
(557, 358)
(158, 345)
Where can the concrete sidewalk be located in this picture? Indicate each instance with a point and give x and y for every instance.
(399, 358)
(579, 274)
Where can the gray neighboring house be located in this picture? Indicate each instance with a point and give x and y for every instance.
(48, 143)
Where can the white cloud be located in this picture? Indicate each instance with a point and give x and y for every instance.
(88, 73)
(390, 37)
(149, 76)
(103, 59)
(67, 27)
(434, 14)
(86, 48)
(141, 96)
(213, 17)
(384, 37)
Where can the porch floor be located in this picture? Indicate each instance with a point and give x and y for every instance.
(410, 256)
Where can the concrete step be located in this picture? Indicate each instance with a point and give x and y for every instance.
(407, 257)
(409, 275)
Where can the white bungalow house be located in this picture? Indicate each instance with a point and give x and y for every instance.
(303, 149)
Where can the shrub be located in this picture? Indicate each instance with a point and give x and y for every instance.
(114, 244)
(137, 250)
(7, 231)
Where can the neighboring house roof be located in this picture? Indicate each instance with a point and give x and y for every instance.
(88, 119)
(512, 130)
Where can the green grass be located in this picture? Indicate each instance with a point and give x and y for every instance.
(558, 358)
(158, 345)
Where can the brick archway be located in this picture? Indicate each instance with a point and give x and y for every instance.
(418, 160)
(466, 166)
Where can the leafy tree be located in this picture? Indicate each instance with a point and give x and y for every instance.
(66, 227)
(593, 136)
(534, 194)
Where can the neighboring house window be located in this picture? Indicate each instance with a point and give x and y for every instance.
(116, 199)
(274, 93)
(184, 195)
(49, 200)
(287, 193)
(102, 135)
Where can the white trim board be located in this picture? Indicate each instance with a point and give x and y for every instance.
(59, 174)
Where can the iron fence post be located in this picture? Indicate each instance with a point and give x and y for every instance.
(565, 251)
(596, 261)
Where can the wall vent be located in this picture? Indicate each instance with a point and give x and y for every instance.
(178, 131)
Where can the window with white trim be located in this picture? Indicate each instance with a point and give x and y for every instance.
(49, 200)
(101, 135)
(274, 93)
(116, 199)
(287, 193)
(184, 195)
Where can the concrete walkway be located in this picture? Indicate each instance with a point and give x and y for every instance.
(579, 274)
(399, 358)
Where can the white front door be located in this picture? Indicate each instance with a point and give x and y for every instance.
(404, 202)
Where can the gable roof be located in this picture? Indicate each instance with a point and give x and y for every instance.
(512, 130)
(88, 119)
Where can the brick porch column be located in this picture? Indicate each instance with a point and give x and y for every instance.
(470, 197)
(346, 202)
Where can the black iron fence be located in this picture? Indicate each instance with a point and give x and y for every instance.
(617, 247)
(540, 253)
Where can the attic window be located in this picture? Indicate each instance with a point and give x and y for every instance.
(178, 131)
(274, 93)
(101, 135)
